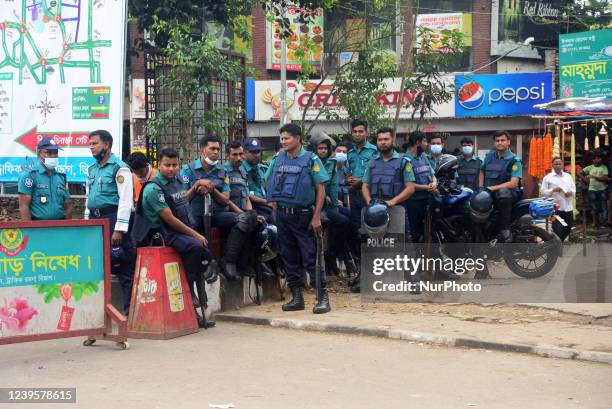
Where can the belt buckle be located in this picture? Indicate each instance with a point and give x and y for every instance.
(96, 212)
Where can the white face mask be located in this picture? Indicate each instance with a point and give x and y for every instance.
(51, 163)
(211, 162)
(341, 157)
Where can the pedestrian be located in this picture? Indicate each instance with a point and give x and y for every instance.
(597, 176)
(469, 165)
(43, 191)
(501, 173)
(341, 155)
(142, 171)
(560, 186)
(436, 147)
(425, 184)
(110, 196)
(295, 182)
(166, 209)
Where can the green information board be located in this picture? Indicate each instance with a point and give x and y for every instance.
(585, 64)
(90, 102)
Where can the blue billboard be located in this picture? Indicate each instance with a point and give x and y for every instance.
(501, 94)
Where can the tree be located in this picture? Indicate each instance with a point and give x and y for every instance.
(587, 15)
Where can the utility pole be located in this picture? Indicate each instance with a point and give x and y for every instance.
(283, 95)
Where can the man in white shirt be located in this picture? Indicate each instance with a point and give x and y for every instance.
(560, 186)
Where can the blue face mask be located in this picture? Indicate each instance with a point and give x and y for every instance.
(467, 150)
(341, 157)
(436, 149)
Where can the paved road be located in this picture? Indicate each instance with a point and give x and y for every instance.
(252, 367)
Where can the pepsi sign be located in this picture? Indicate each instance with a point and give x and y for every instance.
(501, 94)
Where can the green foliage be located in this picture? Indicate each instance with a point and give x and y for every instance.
(195, 63)
(360, 83)
(79, 290)
(587, 15)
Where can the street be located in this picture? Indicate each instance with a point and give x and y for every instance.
(255, 367)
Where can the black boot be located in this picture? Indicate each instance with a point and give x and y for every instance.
(297, 300)
(323, 304)
(234, 245)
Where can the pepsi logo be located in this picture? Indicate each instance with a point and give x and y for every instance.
(470, 95)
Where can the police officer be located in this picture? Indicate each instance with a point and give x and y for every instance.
(469, 165)
(255, 172)
(341, 155)
(389, 176)
(501, 173)
(358, 157)
(165, 208)
(216, 182)
(338, 222)
(436, 147)
(43, 194)
(425, 184)
(110, 196)
(295, 182)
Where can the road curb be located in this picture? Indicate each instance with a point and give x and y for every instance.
(547, 351)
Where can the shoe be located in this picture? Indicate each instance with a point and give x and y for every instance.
(322, 306)
(297, 300)
(229, 270)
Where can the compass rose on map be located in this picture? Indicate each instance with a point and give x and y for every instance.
(46, 107)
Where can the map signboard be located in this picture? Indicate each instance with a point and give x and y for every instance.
(61, 75)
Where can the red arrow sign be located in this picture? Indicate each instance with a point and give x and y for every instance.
(73, 139)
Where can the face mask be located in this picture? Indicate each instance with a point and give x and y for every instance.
(436, 149)
(467, 150)
(51, 163)
(147, 176)
(211, 162)
(100, 155)
(341, 157)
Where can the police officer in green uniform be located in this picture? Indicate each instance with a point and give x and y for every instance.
(425, 184)
(165, 207)
(295, 182)
(43, 194)
(215, 181)
(469, 165)
(501, 173)
(358, 157)
(110, 195)
(256, 171)
(389, 176)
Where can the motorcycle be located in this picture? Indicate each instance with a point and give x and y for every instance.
(534, 251)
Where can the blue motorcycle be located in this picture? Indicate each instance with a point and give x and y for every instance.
(455, 219)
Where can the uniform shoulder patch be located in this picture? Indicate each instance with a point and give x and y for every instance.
(29, 182)
(515, 167)
(185, 179)
(316, 167)
(408, 167)
(161, 198)
(226, 180)
(120, 179)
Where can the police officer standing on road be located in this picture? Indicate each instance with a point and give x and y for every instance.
(216, 182)
(110, 196)
(425, 184)
(469, 165)
(358, 157)
(43, 194)
(255, 172)
(165, 208)
(501, 173)
(295, 182)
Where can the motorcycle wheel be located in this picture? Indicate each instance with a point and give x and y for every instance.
(538, 267)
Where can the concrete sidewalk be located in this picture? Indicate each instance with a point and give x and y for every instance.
(551, 330)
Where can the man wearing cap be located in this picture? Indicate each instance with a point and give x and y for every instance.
(43, 194)
(110, 196)
(255, 172)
